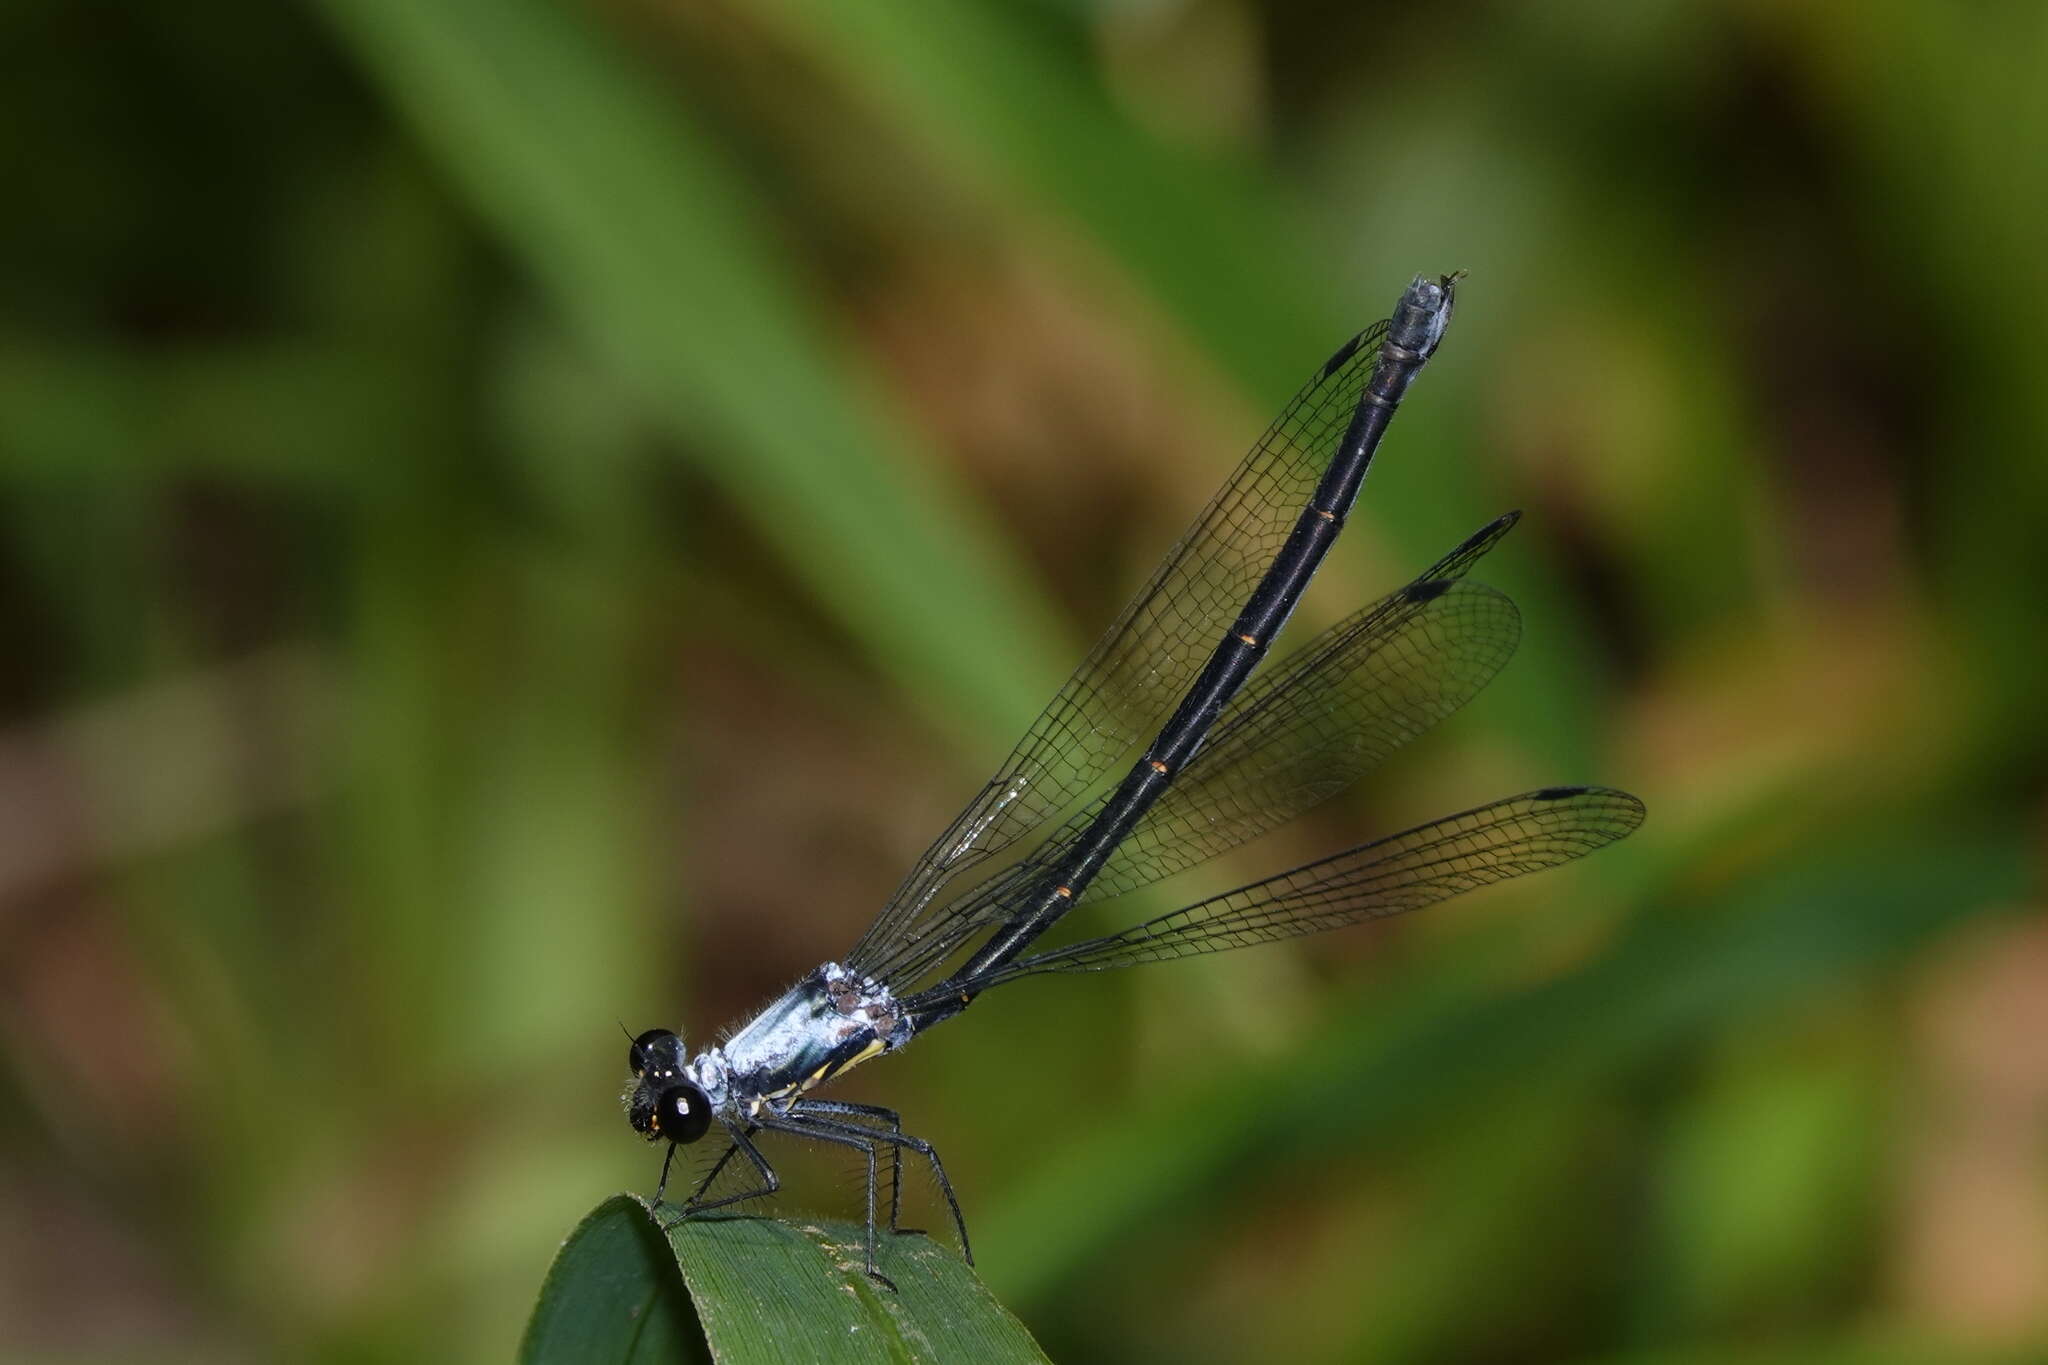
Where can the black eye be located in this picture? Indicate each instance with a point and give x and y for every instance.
(636, 1056)
(681, 1114)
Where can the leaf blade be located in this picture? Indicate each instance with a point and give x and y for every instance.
(611, 1297)
(744, 1290)
(775, 1290)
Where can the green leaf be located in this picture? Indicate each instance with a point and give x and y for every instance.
(756, 1289)
(613, 1295)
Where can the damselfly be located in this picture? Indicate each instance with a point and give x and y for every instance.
(1212, 762)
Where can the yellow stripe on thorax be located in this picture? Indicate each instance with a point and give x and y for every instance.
(831, 1069)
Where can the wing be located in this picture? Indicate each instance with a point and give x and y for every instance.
(1407, 871)
(1319, 736)
(1130, 681)
(1327, 716)
(1332, 712)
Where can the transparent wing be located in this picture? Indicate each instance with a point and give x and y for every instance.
(1312, 741)
(1407, 871)
(1326, 717)
(1130, 681)
(1329, 714)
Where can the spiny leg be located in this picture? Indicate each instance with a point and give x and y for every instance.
(931, 1154)
(770, 1182)
(661, 1185)
(865, 1143)
(896, 1138)
(880, 1115)
(732, 1149)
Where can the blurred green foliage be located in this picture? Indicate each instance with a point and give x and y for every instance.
(521, 515)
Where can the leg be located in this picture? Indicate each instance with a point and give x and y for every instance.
(895, 1138)
(862, 1141)
(770, 1182)
(732, 1149)
(661, 1186)
(894, 1121)
(898, 1140)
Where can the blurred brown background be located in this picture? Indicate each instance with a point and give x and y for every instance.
(517, 515)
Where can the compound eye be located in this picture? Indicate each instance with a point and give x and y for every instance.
(681, 1113)
(636, 1056)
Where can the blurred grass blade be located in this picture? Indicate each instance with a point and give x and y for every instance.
(613, 1296)
(762, 1290)
(649, 241)
(1013, 95)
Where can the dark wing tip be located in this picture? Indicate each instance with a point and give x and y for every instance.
(1489, 535)
(1472, 549)
(1426, 592)
(1344, 353)
(1624, 811)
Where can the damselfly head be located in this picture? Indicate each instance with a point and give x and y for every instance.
(658, 1049)
(662, 1103)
